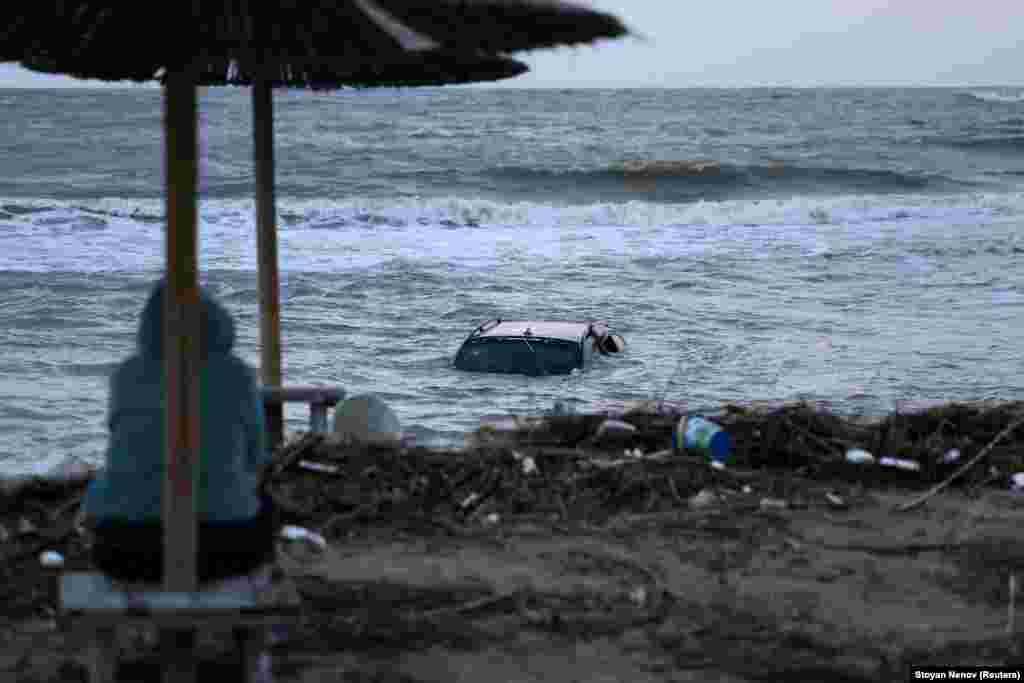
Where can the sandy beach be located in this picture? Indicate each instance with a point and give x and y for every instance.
(744, 574)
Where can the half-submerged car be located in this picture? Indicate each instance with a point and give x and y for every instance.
(534, 347)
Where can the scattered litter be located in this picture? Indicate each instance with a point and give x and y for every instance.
(529, 465)
(469, 500)
(901, 463)
(747, 489)
(1017, 482)
(702, 435)
(638, 596)
(633, 453)
(951, 456)
(298, 533)
(51, 559)
(703, 499)
(492, 519)
(614, 429)
(773, 504)
(834, 500)
(717, 465)
(318, 467)
(859, 456)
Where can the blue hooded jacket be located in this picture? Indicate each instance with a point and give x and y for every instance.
(231, 438)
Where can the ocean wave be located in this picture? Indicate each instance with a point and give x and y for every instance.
(993, 96)
(693, 180)
(992, 143)
(457, 214)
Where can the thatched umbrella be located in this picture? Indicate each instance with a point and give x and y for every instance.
(317, 44)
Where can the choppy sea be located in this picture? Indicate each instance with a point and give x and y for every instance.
(855, 247)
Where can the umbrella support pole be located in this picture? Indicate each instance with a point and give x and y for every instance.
(266, 244)
(181, 333)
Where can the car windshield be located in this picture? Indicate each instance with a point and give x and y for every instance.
(526, 355)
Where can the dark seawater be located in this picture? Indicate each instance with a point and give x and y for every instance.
(851, 246)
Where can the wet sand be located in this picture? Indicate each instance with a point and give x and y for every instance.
(729, 588)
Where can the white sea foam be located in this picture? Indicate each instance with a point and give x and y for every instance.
(996, 96)
(319, 235)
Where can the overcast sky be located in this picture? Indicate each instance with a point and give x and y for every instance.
(788, 42)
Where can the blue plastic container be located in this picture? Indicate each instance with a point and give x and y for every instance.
(702, 435)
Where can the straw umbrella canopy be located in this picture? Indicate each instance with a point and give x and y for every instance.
(289, 42)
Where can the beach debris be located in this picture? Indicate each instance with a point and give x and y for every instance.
(859, 456)
(1017, 482)
(318, 467)
(51, 559)
(698, 433)
(614, 430)
(12, 486)
(297, 533)
(747, 489)
(900, 463)
(835, 500)
(549, 465)
(951, 456)
(1017, 421)
(529, 465)
(26, 527)
(491, 519)
(703, 499)
(773, 504)
(1011, 607)
(638, 596)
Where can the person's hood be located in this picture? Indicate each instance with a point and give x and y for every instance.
(216, 323)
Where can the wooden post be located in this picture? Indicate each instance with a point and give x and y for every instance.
(266, 245)
(181, 333)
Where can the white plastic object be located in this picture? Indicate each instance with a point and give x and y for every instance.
(900, 463)
(298, 533)
(859, 456)
(51, 559)
(703, 499)
(318, 467)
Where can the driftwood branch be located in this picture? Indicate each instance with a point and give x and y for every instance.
(1009, 429)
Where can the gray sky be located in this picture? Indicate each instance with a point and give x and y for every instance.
(789, 42)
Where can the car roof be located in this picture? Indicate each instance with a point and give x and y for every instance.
(570, 331)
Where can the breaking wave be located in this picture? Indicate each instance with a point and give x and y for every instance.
(994, 96)
(694, 180)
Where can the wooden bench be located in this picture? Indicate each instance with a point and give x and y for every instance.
(92, 600)
(318, 398)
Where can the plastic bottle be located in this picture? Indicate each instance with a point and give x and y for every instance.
(702, 435)
(859, 456)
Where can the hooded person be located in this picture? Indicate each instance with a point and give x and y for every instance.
(123, 502)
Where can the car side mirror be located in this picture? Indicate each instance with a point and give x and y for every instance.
(611, 343)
